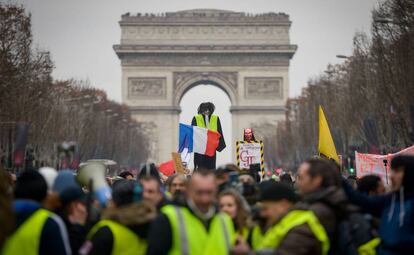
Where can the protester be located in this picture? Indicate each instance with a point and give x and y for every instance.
(197, 228)
(287, 179)
(126, 175)
(319, 185)
(353, 181)
(177, 183)
(177, 189)
(72, 207)
(232, 203)
(37, 230)
(395, 210)
(246, 176)
(312, 221)
(248, 135)
(6, 213)
(149, 170)
(275, 201)
(206, 119)
(51, 201)
(124, 225)
(152, 191)
(371, 185)
(247, 179)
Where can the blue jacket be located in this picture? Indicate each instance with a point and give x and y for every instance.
(396, 211)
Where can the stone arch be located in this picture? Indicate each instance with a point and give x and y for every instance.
(225, 81)
(164, 56)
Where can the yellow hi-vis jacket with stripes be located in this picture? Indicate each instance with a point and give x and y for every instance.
(26, 239)
(126, 242)
(212, 123)
(277, 233)
(190, 237)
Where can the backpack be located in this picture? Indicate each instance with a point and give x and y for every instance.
(356, 231)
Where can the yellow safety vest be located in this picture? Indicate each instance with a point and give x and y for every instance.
(277, 233)
(213, 122)
(369, 248)
(190, 237)
(257, 237)
(243, 233)
(126, 242)
(26, 239)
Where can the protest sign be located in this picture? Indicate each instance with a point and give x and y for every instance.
(249, 153)
(178, 164)
(377, 164)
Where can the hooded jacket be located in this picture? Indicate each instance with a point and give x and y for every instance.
(327, 204)
(136, 216)
(396, 211)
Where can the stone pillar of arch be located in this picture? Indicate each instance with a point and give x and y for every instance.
(163, 56)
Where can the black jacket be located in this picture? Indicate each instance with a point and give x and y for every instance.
(204, 161)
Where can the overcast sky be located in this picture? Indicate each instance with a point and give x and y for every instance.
(80, 34)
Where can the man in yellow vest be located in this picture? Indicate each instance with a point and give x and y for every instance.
(124, 224)
(310, 225)
(275, 201)
(195, 229)
(37, 231)
(206, 119)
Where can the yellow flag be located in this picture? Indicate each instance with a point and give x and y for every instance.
(326, 143)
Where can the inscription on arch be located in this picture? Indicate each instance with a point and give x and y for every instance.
(263, 87)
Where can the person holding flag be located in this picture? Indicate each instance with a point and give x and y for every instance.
(206, 119)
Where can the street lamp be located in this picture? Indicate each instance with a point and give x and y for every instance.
(343, 56)
(384, 20)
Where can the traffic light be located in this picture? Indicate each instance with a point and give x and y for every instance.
(351, 170)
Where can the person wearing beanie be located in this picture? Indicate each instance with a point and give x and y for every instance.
(37, 231)
(275, 201)
(124, 225)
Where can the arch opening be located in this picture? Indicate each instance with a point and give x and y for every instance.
(200, 92)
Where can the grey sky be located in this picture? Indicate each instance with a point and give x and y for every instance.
(80, 34)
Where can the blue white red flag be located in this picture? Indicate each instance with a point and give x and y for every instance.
(198, 140)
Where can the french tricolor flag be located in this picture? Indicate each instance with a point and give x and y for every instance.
(198, 140)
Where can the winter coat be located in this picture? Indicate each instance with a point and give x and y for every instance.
(137, 217)
(327, 205)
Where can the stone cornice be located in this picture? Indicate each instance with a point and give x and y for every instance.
(266, 109)
(205, 59)
(122, 48)
(205, 16)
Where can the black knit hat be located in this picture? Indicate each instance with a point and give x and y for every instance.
(275, 191)
(31, 185)
(125, 192)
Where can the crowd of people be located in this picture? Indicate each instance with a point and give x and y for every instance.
(211, 211)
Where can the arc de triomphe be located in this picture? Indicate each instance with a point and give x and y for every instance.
(163, 56)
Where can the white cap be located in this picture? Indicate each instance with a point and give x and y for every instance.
(50, 175)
